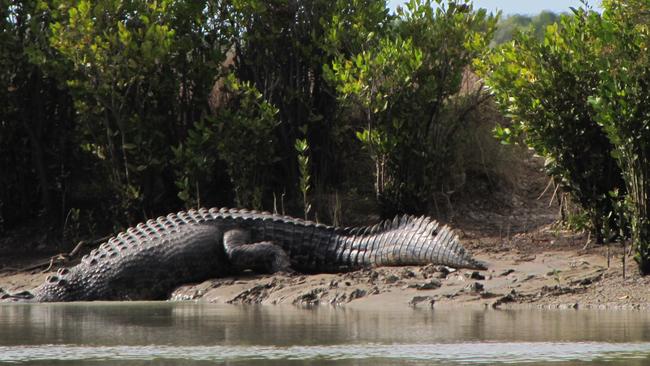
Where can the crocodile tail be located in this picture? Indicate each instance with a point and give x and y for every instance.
(409, 240)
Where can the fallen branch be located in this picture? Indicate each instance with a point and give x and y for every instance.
(62, 258)
(9, 269)
(550, 203)
(588, 241)
(550, 181)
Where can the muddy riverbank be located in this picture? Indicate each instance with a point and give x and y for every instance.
(532, 262)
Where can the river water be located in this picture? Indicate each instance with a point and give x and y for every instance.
(167, 333)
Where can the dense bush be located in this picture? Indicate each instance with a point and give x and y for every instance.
(237, 139)
(535, 25)
(623, 104)
(140, 75)
(120, 110)
(544, 86)
(404, 82)
(580, 97)
(36, 114)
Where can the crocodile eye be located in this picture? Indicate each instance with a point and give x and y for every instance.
(51, 279)
(63, 271)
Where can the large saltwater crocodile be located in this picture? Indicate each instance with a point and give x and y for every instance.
(148, 261)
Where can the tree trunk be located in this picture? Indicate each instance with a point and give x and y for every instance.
(33, 123)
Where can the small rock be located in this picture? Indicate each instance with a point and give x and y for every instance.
(254, 295)
(527, 258)
(391, 279)
(428, 270)
(568, 306)
(475, 287)
(488, 295)
(588, 280)
(356, 294)
(373, 275)
(442, 272)
(577, 263)
(175, 297)
(311, 297)
(446, 270)
(419, 299)
(475, 275)
(503, 300)
(528, 278)
(507, 272)
(430, 285)
(338, 298)
(407, 273)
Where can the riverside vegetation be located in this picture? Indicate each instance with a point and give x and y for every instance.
(115, 111)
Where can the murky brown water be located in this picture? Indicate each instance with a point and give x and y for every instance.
(203, 334)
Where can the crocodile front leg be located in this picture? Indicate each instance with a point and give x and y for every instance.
(262, 256)
(19, 296)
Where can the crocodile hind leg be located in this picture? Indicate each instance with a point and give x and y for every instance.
(261, 256)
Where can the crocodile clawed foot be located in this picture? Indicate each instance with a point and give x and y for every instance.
(19, 296)
(281, 263)
(286, 271)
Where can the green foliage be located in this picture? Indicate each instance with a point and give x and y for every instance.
(241, 135)
(623, 105)
(281, 51)
(544, 87)
(135, 82)
(371, 80)
(110, 109)
(35, 113)
(536, 26)
(581, 97)
(403, 82)
(303, 165)
(246, 141)
(195, 161)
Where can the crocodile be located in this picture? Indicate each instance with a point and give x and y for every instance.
(150, 260)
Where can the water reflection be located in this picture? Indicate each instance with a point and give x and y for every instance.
(176, 333)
